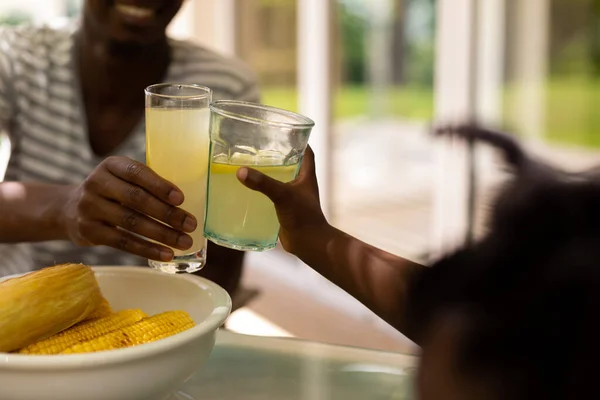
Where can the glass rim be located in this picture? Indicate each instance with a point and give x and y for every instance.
(215, 107)
(206, 91)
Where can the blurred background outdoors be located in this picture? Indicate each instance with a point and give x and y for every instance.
(391, 67)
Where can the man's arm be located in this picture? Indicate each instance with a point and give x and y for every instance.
(30, 212)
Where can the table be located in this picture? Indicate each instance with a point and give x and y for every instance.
(252, 368)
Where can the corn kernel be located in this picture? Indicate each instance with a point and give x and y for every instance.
(85, 331)
(147, 330)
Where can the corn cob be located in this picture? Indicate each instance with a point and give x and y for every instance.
(103, 310)
(147, 330)
(40, 304)
(85, 331)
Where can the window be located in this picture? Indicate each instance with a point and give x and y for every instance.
(550, 90)
(383, 164)
(13, 12)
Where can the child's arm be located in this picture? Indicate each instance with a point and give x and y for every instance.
(376, 278)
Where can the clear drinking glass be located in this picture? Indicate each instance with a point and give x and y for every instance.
(177, 147)
(268, 139)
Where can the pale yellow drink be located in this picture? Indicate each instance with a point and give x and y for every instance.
(238, 215)
(177, 146)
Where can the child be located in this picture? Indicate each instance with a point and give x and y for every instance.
(510, 317)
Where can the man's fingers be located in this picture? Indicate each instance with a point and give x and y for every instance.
(137, 198)
(115, 214)
(260, 182)
(142, 176)
(119, 239)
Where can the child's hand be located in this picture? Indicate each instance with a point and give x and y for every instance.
(297, 202)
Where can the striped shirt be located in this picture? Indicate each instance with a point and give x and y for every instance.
(42, 112)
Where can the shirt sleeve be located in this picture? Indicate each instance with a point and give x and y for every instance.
(250, 92)
(7, 108)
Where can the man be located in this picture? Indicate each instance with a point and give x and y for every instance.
(72, 103)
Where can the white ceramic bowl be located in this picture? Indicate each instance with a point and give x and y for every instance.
(150, 371)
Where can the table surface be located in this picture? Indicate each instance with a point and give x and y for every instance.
(252, 368)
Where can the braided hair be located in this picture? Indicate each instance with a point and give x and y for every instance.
(530, 288)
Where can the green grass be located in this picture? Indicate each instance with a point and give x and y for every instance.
(572, 111)
(572, 107)
(354, 101)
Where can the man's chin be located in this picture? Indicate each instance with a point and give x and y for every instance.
(133, 38)
(126, 47)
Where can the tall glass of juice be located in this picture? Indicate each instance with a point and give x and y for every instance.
(177, 147)
(265, 138)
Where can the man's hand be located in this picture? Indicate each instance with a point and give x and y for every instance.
(121, 199)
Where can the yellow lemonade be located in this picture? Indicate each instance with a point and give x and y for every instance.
(237, 216)
(177, 146)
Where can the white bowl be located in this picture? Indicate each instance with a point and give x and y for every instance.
(150, 371)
